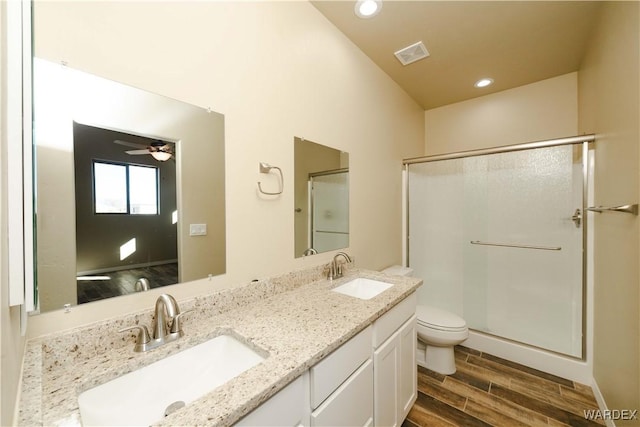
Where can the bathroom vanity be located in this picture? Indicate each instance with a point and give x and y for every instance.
(320, 348)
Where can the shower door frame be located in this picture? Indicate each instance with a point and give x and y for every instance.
(312, 202)
(585, 140)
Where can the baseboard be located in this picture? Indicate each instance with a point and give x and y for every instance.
(601, 403)
(126, 267)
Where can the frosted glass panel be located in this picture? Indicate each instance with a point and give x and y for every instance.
(524, 198)
(330, 208)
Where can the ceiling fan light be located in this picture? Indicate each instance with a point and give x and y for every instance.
(161, 156)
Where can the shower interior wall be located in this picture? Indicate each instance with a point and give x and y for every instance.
(532, 296)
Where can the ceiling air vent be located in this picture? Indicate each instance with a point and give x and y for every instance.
(411, 54)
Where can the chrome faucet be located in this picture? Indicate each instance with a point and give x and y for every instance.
(163, 332)
(335, 269)
(166, 306)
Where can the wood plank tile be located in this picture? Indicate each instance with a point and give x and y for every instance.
(449, 413)
(460, 356)
(541, 407)
(491, 416)
(428, 372)
(441, 393)
(528, 370)
(556, 423)
(488, 390)
(472, 380)
(481, 372)
(516, 374)
(419, 416)
(580, 395)
(567, 404)
(408, 423)
(504, 406)
(468, 350)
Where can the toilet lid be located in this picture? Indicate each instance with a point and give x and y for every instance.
(437, 318)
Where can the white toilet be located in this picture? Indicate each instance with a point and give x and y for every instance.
(438, 332)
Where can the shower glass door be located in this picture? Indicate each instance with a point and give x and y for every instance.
(329, 199)
(494, 239)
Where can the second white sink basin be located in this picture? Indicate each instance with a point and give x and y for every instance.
(363, 288)
(141, 397)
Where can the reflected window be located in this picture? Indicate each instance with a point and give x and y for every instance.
(125, 189)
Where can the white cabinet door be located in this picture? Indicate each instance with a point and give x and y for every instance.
(395, 376)
(351, 405)
(408, 387)
(386, 382)
(288, 407)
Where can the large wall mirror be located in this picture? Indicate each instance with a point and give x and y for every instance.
(129, 186)
(321, 198)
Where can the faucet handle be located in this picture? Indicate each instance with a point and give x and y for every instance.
(143, 334)
(176, 327)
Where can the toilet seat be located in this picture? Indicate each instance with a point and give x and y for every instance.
(438, 319)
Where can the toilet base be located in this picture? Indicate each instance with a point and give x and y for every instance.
(438, 359)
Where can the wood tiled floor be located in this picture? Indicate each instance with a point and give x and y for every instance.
(490, 391)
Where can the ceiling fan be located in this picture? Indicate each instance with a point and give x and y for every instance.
(160, 150)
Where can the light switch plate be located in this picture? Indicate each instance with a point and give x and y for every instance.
(197, 229)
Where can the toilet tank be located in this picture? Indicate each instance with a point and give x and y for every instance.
(398, 270)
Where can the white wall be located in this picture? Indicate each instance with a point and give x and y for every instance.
(538, 111)
(275, 70)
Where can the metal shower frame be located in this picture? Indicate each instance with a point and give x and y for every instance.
(585, 140)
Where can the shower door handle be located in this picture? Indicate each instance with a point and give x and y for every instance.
(577, 218)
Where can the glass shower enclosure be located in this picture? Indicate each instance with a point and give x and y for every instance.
(329, 207)
(498, 240)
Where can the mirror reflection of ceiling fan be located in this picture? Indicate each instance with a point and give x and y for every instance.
(160, 150)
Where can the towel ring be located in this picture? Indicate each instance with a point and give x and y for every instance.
(266, 168)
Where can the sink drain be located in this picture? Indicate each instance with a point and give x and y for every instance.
(174, 407)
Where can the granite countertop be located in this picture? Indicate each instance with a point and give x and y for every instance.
(295, 327)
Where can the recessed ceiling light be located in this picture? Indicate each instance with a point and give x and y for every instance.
(368, 8)
(483, 82)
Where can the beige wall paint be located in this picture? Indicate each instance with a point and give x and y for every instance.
(535, 112)
(275, 70)
(11, 343)
(610, 107)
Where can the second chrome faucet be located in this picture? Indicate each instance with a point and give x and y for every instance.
(167, 325)
(335, 269)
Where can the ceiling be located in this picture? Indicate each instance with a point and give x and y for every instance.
(513, 42)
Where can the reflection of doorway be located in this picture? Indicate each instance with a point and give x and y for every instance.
(329, 207)
(126, 212)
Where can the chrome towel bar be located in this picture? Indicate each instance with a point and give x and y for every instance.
(507, 245)
(632, 209)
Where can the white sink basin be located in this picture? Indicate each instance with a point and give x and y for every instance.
(362, 288)
(141, 397)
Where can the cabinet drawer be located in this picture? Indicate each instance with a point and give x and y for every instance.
(386, 325)
(334, 369)
(285, 408)
(352, 403)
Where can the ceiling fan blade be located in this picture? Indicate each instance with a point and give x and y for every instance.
(137, 152)
(129, 144)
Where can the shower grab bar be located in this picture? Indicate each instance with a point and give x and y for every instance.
(507, 245)
(632, 209)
